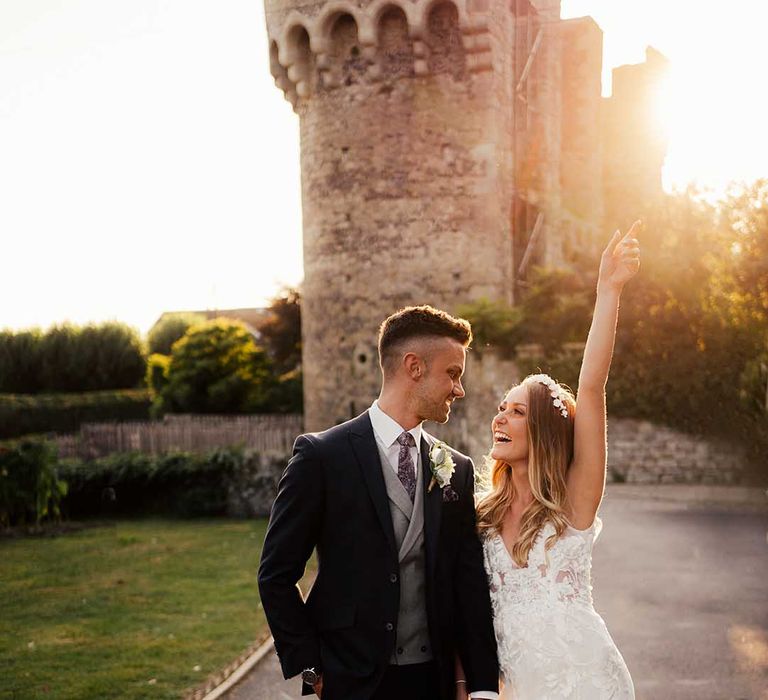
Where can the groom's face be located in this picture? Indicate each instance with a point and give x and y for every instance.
(440, 385)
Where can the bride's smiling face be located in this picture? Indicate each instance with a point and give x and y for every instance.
(510, 427)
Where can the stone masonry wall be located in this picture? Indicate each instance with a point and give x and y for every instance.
(581, 157)
(253, 489)
(638, 451)
(406, 170)
(641, 452)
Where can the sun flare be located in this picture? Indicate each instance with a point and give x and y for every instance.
(710, 107)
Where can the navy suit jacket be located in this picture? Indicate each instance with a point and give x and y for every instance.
(332, 498)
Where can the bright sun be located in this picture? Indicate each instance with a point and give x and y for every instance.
(711, 107)
(711, 137)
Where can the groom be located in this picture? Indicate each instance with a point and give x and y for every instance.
(400, 589)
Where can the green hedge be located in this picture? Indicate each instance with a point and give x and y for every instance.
(178, 484)
(69, 358)
(21, 414)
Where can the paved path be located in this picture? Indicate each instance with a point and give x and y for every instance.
(681, 578)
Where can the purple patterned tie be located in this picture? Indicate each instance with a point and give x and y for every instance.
(405, 469)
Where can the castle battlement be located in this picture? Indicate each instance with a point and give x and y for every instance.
(345, 44)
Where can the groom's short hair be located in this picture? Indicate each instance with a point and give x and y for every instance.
(418, 322)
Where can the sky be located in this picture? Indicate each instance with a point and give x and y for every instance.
(148, 163)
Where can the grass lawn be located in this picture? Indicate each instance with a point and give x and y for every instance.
(140, 609)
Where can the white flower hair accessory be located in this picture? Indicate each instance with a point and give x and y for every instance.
(558, 398)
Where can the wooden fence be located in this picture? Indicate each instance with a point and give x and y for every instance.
(267, 434)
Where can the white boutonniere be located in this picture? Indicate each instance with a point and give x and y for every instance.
(442, 465)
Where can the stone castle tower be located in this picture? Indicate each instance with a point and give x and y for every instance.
(446, 146)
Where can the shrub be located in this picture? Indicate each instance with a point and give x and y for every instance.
(30, 488)
(287, 394)
(177, 484)
(218, 368)
(495, 325)
(555, 309)
(21, 414)
(157, 378)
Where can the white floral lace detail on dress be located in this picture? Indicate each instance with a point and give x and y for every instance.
(552, 644)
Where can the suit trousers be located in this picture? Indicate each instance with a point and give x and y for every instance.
(409, 682)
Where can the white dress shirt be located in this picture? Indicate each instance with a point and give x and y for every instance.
(386, 431)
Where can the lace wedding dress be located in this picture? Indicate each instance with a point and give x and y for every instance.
(552, 644)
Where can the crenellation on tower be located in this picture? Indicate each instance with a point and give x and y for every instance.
(327, 46)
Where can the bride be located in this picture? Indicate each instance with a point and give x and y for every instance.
(539, 522)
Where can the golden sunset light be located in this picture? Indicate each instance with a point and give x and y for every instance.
(711, 107)
(114, 125)
(384, 349)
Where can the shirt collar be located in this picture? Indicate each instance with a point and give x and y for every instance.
(387, 429)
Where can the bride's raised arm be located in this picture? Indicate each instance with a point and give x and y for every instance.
(586, 477)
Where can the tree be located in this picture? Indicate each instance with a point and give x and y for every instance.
(740, 266)
(739, 292)
(20, 361)
(217, 367)
(111, 357)
(169, 329)
(692, 342)
(281, 330)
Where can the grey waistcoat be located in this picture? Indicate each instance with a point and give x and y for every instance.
(412, 645)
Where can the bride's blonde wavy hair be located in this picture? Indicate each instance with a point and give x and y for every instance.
(550, 452)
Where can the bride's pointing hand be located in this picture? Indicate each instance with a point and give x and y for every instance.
(621, 259)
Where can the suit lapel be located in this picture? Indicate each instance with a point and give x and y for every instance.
(367, 455)
(433, 502)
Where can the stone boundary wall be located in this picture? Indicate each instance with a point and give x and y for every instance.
(638, 452)
(645, 453)
(253, 488)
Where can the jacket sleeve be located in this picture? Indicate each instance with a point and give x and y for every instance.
(475, 640)
(291, 536)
